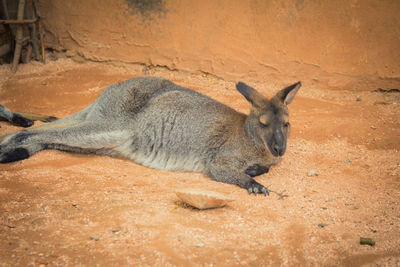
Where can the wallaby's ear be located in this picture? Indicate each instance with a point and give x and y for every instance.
(251, 94)
(287, 95)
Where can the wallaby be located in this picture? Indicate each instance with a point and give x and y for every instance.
(161, 125)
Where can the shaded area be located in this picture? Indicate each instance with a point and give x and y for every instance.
(146, 8)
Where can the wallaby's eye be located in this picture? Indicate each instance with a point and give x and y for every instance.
(264, 121)
(286, 124)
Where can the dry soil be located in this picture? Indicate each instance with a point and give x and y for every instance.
(62, 209)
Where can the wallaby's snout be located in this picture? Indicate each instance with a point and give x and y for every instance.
(277, 144)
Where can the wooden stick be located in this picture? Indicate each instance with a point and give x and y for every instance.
(19, 36)
(37, 13)
(42, 41)
(32, 29)
(17, 21)
(12, 27)
(28, 55)
(5, 9)
(35, 6)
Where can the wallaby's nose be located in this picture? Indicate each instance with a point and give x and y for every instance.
(278, 150)
(277, 144)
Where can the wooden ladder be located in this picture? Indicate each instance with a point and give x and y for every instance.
(28, 14)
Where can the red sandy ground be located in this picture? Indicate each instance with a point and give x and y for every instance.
(79, 210)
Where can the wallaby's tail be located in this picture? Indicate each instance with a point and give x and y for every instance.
(37, 117)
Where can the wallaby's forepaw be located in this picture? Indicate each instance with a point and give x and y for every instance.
(21, 121)
(256, 170)
(256, 188)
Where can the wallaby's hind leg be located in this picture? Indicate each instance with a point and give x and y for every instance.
(81, 137)
(76, 133)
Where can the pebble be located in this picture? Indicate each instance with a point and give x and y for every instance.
(116, 230)
(367, 241)
(94, 237)
(312, 173)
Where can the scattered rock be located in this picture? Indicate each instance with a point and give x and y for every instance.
(203, 199)
(312, 173)
(347, 160)
(200, 245)
(181, 238)
(116, 230)
(322, 225)
(358, 99)
(94, 237)
(367, 241)
(389, 90)
(383, 102)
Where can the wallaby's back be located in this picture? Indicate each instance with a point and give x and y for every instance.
(173, 128)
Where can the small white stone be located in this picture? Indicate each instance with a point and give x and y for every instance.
(312, 173)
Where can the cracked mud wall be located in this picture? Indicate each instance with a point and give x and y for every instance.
(337, 44)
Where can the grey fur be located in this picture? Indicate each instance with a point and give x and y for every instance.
(14, 118)
(161, 125)
(5, 113)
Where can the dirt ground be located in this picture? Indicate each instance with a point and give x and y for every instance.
(61, 209)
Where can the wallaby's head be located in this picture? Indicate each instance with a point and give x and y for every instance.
(268, 121)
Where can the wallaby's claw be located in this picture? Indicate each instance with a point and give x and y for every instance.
(265, 191)
(257, 188)
(21, 121)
